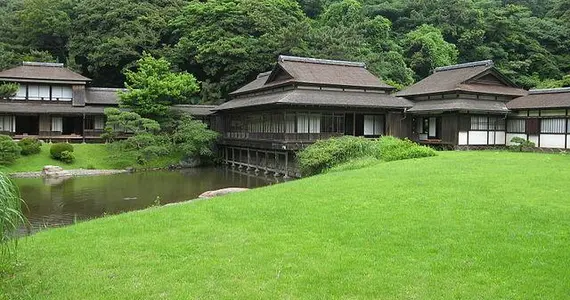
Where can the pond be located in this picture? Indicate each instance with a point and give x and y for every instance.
(53, 203)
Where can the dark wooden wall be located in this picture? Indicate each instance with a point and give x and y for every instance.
(450, 128)
(398, 124)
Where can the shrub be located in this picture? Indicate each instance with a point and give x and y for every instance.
(521, 144)
(325, 154)
(56, 150)
(67, 157)
(11, 218)
(30, 146)
(9, 150)
(391, 148)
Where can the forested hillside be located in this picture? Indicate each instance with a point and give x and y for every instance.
(225, 43)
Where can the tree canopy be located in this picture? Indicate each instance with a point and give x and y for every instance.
(225, 43)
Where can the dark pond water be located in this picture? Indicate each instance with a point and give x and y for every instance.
(62, 202)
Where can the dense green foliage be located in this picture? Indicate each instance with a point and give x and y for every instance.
(9, 150)
(30, 145)
(326, 154)
(11, 218)
(521, 144)
(8, 90)
(152, 89)
(438, 228)
(62, 152)
(225, 43)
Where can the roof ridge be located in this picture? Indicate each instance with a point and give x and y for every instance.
(105, 88)
(549, 91)
(482, 63)
(311, 60)
(42, 64)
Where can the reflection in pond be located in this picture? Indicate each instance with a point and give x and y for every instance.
(65, 201)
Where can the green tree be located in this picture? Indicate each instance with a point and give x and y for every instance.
(426, 49)
(230, 41)
(8, 90)
(193, 138)
(110, 35)
(153, 88)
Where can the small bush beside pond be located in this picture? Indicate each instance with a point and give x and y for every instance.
(30, 146)
(62, 152)
(326, 154)
(9, 150)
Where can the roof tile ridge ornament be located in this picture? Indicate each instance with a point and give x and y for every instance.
(483, 63)
(42, 64)
(549, 91)
(320, 61)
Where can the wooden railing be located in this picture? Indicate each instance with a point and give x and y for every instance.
(286, 137)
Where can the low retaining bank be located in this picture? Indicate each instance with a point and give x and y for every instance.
(74, 173)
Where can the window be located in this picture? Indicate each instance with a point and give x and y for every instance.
(290, 123)
(553, 126)
(61, 93)
(484, 123)
(57, 124)
(21, 94)
(33, 92)
(332, 123)
(373, 125)
(7, 124)
(479, 123)
(95, 122)
(44, 92)
(516, 126)
(315, 123)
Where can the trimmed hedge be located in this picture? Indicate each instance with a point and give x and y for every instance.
(326, 154)
(30, 146)
(57, 152)
(9, 150)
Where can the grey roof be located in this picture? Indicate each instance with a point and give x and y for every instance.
(547, 98)
(312, 71)
(42, 72)
(457, 78)
(471, 105)
(320, 98)
(48, 108)
(196, 110)
(102, 96)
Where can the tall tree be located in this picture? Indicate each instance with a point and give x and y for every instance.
(426, 49)
(110, 35)
(229, 41)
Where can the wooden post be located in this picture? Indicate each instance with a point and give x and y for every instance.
(83, 125)
(233, 157)
(276, 173)
(248, 160)
(266, 167)
(353, 124)
(256, 161)
(286, 175)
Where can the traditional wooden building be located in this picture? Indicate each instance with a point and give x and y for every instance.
(302, 100)
(55, 103)
(462, 105)
(541, 117)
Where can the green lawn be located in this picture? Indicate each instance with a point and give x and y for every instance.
(462, 225)
(87, 156)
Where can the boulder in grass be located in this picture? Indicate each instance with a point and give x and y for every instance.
(55, 172)
(217, 193)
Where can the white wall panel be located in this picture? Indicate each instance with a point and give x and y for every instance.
(491, 138)
(552, 140)
(463, 138)
(534, 139)
(510, 136)
(500, 137)
(477, 137)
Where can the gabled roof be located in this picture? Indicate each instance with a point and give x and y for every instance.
(546, 98)
(311, 97)
(196, 110)
(319, 72)
(102, 96)
(467, 105)
(464, 78)
(42, 73)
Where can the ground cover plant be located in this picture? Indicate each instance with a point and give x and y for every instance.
(461, 225)
(326, 154)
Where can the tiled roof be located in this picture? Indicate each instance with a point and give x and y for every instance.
(320, 72)
(196, 110)
(548, 98)
(102, 96)
(470, 105)
(42, 72)
(320, 98)
(456, 79)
